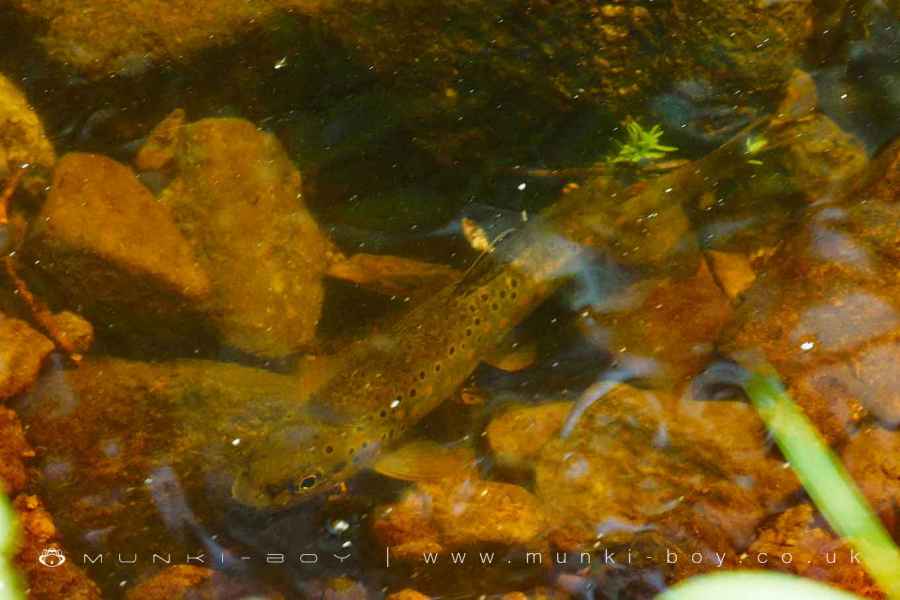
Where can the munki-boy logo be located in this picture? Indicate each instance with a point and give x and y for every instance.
(51, 557)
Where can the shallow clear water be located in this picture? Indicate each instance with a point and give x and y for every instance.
(520, 236)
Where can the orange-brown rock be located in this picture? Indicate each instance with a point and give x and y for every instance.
(22, 352)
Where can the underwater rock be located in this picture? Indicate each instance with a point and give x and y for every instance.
(732, 271)
(22, 352)
(517, 435)
(799, 542)
(75, 329)
(39, 535)
(190, 582)
(819, 156)
(873, 459)
(407, 594)
(22, 136)
(826, 311)
(14, 450)
(108, 246)
(115, 37)
(336, 588)
(134, 454)
(456, 513)
(468, 70)
(698, 475)
(237, 198)
(672, 321)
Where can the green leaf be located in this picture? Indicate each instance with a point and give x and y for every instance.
(753, 585)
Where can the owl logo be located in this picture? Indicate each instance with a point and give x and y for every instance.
(51, 557)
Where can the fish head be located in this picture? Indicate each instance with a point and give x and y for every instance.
(293, 465)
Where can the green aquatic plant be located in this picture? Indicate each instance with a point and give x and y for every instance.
(641, 145)
(753, 585)
(825, 479)
(10, 588)
(753, 145)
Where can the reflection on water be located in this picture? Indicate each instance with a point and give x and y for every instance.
(341, 298)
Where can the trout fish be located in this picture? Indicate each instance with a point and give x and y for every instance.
(388, 382)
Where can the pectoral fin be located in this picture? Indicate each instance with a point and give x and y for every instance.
(426, 461)
(513, 355)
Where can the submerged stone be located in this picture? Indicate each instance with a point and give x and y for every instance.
(698, 474)
(800, 542)
(458, 513)
(826, 309)
(105, 37)
(237, 198)
(22, 136)
(108, 246)
(22, 352)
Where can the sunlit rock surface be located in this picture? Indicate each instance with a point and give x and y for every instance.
(453, 514)
(106, 244)
(872, 458)
(22, 136)
(22, 352)
(700, 475)
(237, 198)
(800, 542)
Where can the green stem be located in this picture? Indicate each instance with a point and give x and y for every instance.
(825, 479)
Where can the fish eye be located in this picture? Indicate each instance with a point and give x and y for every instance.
(308, 482)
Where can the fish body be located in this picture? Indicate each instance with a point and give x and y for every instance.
(388, 382)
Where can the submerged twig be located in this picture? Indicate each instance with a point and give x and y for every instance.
(39, 311)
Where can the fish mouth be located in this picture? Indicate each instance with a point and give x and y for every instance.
(244, 492)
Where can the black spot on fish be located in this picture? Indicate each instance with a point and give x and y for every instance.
(494, 306)
(383, 413)
(437, 368)
(478, 321)
(468, 332)
(422, 375)
(513, 295)
(452, 349)
(503, 293)
(412, 393)
(514, 283)
(328, 449)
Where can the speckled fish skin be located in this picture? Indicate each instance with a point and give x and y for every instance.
(393, 379)
(390, 381)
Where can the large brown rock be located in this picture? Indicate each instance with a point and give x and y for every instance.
(22, 352)
(698, 474)
(110, 247)
(237, 198)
